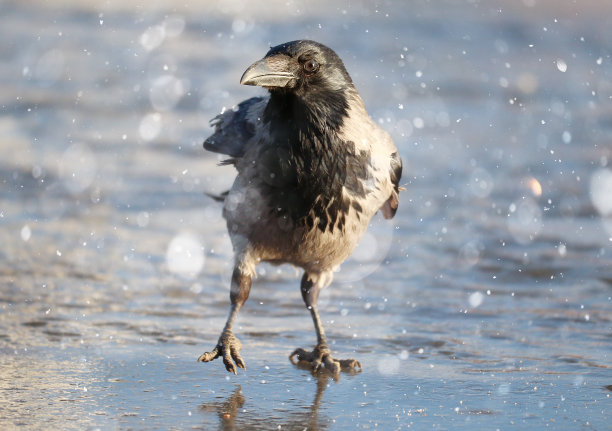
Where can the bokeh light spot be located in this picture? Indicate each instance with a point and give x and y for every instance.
(77, 168)
(185, 256)
(150, 126)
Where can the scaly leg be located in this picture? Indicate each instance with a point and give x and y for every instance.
(321, 355)
(228, 345)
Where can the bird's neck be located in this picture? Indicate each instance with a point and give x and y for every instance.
(315, 116)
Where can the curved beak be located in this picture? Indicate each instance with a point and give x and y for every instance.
(268, 72)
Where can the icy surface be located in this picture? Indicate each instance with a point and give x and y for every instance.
(485, 304)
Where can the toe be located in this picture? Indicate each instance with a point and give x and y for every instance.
(240, 362)
(227, 361)
(350, 364)
(231, 353)
(321, 358)
(209, 356)
(228, 348)
(302, 355)
(235, 353)
(331, 365)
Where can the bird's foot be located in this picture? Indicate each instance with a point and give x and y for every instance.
(228, 347)
(321, 357)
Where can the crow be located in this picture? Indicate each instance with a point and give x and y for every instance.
(313, 168)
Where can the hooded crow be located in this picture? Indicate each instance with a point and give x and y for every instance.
(313, 168)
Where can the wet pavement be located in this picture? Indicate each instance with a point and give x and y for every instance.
(486, 303)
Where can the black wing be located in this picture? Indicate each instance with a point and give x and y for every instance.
(234, 128)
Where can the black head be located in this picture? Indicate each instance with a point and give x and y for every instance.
(301, 67)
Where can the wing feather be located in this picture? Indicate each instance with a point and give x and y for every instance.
(389, 208)
(235, 128)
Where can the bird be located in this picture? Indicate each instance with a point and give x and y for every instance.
(312, 170)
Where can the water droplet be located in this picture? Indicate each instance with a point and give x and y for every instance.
(481, 183)
(469, 254)
(150, 126)
(185, 255)
(525, 222)
(562, 250)
(527, 83)
(50, 67)
(561, 65)
(238, 25)
(601, 191)
(476, 299)
(142, 219)
(153, 37)
(77, 168)
(165, 92)
(174, 25)
(566, 137)
(26, 233)
(388, 364)
(534, 186)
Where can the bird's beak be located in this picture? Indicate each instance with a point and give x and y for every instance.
(269, 72)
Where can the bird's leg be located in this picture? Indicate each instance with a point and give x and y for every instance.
(228, 346)
(321, 355)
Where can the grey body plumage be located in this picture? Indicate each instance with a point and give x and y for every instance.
(313, 168)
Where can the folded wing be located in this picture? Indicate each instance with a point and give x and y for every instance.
(389, 208)
(235, 128)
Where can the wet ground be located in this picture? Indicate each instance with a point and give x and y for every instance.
(485, 304)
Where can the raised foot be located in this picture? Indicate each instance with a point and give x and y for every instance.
(228, 347)
(321, 357)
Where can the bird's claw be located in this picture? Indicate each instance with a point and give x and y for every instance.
(321, 357)
(228, 347)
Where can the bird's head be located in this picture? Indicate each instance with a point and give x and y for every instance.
(303, 67)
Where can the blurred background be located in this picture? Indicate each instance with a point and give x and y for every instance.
(486, 302)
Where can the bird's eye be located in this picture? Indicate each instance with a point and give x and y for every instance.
(311, 66)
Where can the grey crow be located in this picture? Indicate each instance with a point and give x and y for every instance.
(313, 168)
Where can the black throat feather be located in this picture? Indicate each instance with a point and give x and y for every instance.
(306, 165)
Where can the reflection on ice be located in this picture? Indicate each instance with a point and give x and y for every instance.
(503, 389)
